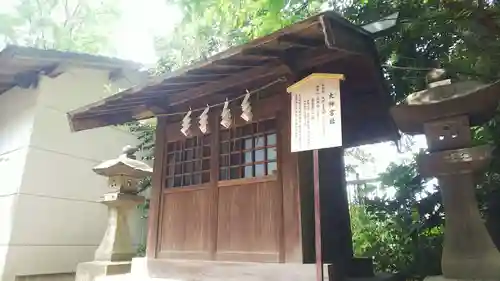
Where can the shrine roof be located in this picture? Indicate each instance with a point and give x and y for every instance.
(291, 52)
(21, 66)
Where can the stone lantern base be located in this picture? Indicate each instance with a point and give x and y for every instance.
(90, 271)
(114, 255)
(442, 278)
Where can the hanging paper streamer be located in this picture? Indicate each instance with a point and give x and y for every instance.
(226, 116)
(204, 120)
(246, 108)
(186, 124)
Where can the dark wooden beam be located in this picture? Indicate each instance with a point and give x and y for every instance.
(115, 116)
(174, 87)
(177, 82)
(189, 75)
(211, 72)
(302, 42)
(227, 67)
(310, 58)
(259, 58)
(343, 39)
(158, 103)
(243, 63)
(195, 78)
(241, 78)
(322, 59)
(84, 123)
(235, 91)
(264, 51)
(150, 94)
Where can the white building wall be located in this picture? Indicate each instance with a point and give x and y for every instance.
(17, 113)
(57, 222)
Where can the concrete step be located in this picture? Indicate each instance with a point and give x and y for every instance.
(125, 277)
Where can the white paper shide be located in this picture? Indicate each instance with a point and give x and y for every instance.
(316, 112)
(203, 122)
(186, 124)
(226, 118)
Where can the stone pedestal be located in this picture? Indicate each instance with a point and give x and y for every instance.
(442, 278)
(90, 271)
(115, 253)
(116, 244)
(190, 270)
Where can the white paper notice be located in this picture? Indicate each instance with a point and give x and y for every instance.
(316, 112)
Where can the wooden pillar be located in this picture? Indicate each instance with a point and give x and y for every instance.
(336, 229)
(157, 181)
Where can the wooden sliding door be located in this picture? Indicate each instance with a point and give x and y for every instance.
(249, 194)
(187, 200)
(222, 194)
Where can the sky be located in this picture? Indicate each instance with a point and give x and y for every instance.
(384, 154)
(140, 23)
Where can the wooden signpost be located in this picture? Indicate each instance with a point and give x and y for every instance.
(316, 123)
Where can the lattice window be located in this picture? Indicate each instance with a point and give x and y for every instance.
(248, 151)
(188, 161)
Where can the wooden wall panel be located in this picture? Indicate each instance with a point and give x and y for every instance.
(249, 222)
(185, 224)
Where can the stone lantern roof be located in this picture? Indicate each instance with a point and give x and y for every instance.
(444, 98)
(125, 164)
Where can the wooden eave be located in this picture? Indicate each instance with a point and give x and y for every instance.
(21, 66)
(287, 52)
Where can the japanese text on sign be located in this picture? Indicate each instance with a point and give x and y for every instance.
(316, 112)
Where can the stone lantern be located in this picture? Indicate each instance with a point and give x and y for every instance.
(114, 254)
(445, 113)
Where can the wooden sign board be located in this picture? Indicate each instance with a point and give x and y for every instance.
(316, 112)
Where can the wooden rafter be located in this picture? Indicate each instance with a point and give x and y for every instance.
(241, 78)
(227, 67)
(197, 92)
(298, 41)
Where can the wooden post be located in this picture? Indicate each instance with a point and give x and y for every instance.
(317, 218)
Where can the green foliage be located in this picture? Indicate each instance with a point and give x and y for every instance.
(457, 34)
(211, 26)
(145, 132)
(76, 25)
(403, 233)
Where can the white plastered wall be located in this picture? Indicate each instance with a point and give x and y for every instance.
(17, 114)
(55, 222)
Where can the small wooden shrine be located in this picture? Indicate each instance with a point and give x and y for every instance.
(232, 191)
